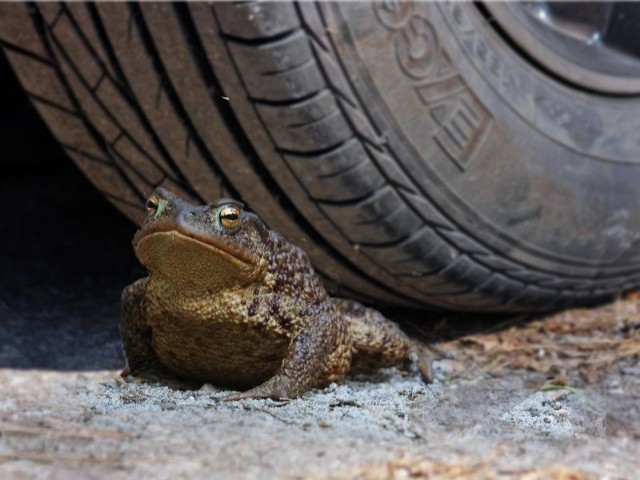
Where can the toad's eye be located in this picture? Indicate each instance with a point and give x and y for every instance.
(229, 217)
(152, 204)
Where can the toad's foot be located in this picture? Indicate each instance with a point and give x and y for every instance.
(276, 388)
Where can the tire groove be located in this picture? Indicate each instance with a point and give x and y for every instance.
(192, 133)
(354, 201)
(339, 173)
(127, 94)
(107, 112)
(26, 53)
(259, 42)
(315, 121)
(93, 158)
(381, 245)
(314, 153)
(286, 103)
(275, 73)
(52, 104)
(44, 35)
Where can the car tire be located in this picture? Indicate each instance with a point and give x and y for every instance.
(410, 149)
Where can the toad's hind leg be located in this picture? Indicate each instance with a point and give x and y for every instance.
(377, 342)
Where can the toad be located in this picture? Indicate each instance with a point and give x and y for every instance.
(232, 303)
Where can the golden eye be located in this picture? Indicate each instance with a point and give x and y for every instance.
(229, 217)
(152, 204)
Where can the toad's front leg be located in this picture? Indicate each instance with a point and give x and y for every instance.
(135, 333)
(318, 349)
(142, 362)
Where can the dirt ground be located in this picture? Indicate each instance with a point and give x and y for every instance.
(555, 397)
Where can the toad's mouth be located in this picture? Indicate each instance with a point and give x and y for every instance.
(164, 231)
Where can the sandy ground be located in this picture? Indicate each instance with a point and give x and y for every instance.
(551, 397)
(69, 424)
(92, 426)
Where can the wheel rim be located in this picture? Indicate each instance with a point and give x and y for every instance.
(590, 45)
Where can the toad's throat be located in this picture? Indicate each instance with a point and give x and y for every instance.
(201, 238)
(191, 263)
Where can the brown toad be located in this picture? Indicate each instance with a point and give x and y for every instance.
(232, 303)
